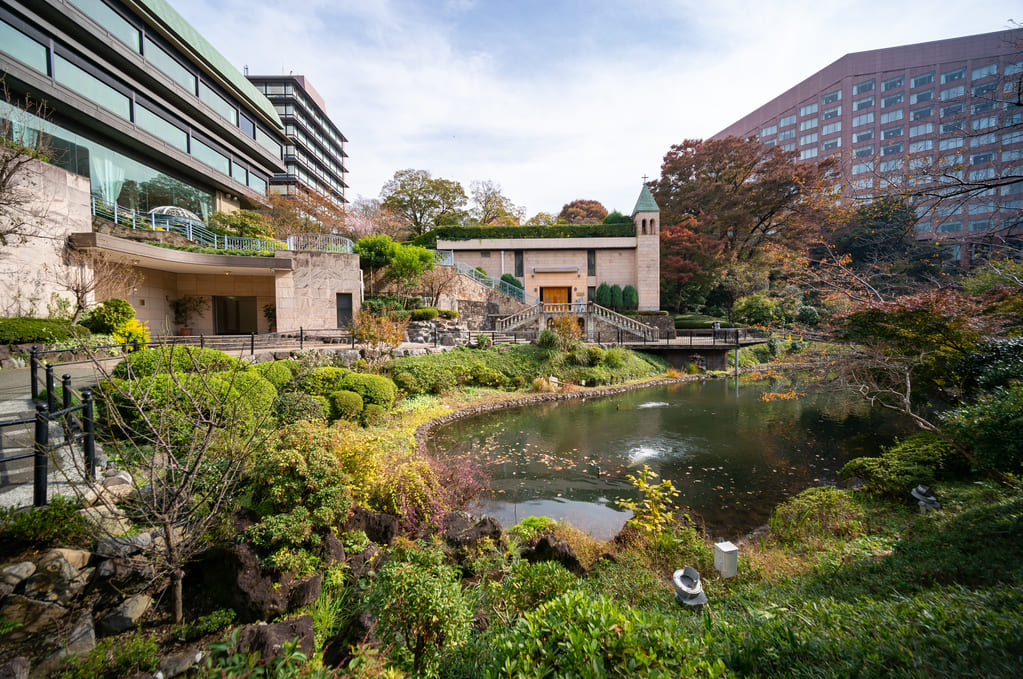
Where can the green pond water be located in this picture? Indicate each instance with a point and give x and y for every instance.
(733, 455)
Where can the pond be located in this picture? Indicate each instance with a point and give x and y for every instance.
(733, 455)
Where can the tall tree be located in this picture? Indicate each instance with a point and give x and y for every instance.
(583, 211)
(421, 200)
(740, 192)
(367, 216)
(375, 252)
(305, 211)
(408, 265)
(490, 206)
(542, 219)
(689, 260)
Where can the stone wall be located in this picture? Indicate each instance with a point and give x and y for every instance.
(30, 270)
(306, 295)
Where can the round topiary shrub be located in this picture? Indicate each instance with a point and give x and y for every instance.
(258, 392)
(297, 406)
(172, 359)
(424, 314)
(277, 373)
(323, 381)
(449, 314)
(485, 376)
(375, 389)
(372, 415)
(407, 383)
(108, 316)
(345, 405)
(817, 512)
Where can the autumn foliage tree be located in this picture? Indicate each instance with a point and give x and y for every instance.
(689, 260)
(583, 212)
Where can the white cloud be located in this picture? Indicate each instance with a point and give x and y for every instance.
(422, 85)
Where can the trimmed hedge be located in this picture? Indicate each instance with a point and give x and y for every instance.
(38, 330)
(170, 359)
(345, 405)
(323, 381)
(430, 238)
(427, 313)
(278, 373)
(297, 406)
(374, 389)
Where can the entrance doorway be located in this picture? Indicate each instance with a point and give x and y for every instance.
(234, 315)
(556, 295)
(344, 309)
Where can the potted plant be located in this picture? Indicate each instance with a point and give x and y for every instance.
(184, 309)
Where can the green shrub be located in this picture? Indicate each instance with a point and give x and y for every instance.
(345, 405)
(614, 357)
(115, 657)
(548, 340)
(576, 635)
(630, 298)
(420, 606)
(595, 355)
(512, 281)
(259, 394)
(918, 459)
(424, 314)
(485, 376)
(592, 376)
(442, 383)
(207, 624)
(108, 316)
(171, 359)
(528, 585)
(484, 341)
(375, 389)
(757, 308)
(449, 314)
(297, 406)
(816, 513)
(57, 523)
(38, 330)
(602, 295)
(323, 381)
(993, 427)
(616, 297)
(578, 356)
(407, 384)
(278, 373)
(133, 332)
(373, 415)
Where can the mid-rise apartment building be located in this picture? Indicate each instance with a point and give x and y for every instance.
(904, 117)
(315, 153)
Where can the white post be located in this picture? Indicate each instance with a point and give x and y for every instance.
(726, 559)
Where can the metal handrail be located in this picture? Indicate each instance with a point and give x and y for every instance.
(320, 242)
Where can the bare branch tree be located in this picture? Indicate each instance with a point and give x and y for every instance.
(85, 273)
(438, 281)
(22, 146)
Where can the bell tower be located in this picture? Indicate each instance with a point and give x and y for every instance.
(647, 218)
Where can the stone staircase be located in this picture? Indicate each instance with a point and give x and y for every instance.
(538, 315)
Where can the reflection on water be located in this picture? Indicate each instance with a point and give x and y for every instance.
(733, 455)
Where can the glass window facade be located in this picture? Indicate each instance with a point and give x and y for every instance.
(117, 25)
(211, 156)
(158, 57)
(152, 123)
(91, 87)
(23, 48)
(222, 106)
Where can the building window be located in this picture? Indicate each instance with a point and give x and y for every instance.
(788, 147)
(158, 57)
(893, 83)
(862, 184)
(891, 132)
(807, 110)
(239, 172)
(831, 97)
(269, 143)
(985, 122)
(953, 92)
(865, 102)
(950, 227)
(222, 106)
(952, 127)
(807, 124)
(91, 87)
(986, 89)
(23, 48)
(921, 146)
(982, 106)
(891, 165)
(921, 97)
(830, 144)
(863, 136)
(918, 113)
(786, 134)
(889, 149)
(891, 116)
(152, 123)
(952, 143)
(211, 156)
(980, 224)
(922, 79)
(591, 262)
(832, 112)
(952, 76)
(982, 173)
(979, 158)
(860, 168)
(808, 153)
(917, 130)
(485, 254)
(808, 139)
(520, 266)
(951, 110)
(863, 151)
(892, 100)
(257, 183)
(111, 21)
(985, 139)
(787, 120)
(768, 131)
(831, 128)
(863, 119)
(984, 71)
(865, 86)
(591, 293)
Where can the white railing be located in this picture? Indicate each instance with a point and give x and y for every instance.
(519, 317)
(589, 308)
(446, 257)
(320, 242)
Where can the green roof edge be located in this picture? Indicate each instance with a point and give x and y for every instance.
(645, 202)
(162, 12)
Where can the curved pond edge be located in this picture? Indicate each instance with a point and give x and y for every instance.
(423, 431)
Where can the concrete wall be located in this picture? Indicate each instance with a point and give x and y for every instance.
(57, 205)
(306, 295)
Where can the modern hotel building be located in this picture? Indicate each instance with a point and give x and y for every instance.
(944, 113)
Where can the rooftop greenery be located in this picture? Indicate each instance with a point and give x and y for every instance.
(430, 238)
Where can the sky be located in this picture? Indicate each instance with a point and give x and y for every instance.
(555, 100)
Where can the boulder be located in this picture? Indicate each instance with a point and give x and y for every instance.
(55, 581)
(111, 522)
(305, 592)
(549, 548)
(360, 564)
(232, 577)
(14, 573)
(332, 551)
(79, 558)
(177, 664)
(268, 640)
(127, 615)
(338, 649)
(110, 475)
(79, 642)
(379, 528)
(115, 578)
(33, 616)
(124, 547)
(462, 532)
(16, 668)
